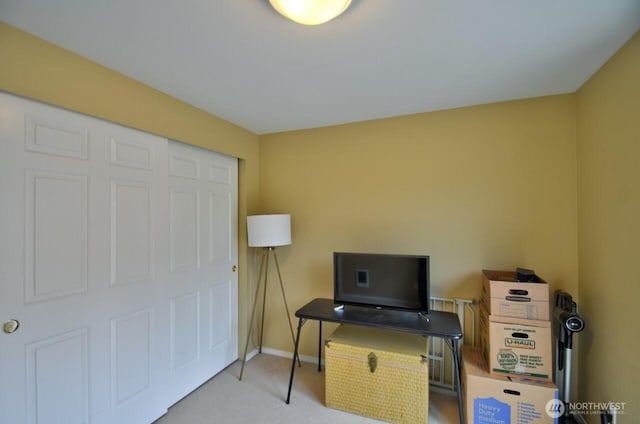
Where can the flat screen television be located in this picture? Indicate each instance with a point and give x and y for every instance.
(381, 280)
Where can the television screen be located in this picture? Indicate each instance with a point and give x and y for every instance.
(381, 280)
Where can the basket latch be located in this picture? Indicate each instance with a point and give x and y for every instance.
(373, 362)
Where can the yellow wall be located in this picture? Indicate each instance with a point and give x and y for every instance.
(608, 147)
(491, 186)
(34, 68)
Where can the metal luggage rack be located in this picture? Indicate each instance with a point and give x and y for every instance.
(441, 370)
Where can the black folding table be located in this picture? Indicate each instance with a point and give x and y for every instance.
(445, 325)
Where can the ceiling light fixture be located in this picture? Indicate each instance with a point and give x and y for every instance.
(310, 12)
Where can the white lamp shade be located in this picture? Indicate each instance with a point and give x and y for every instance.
(269, 230)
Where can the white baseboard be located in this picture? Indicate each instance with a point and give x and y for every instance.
(284, 354)
(251, 354)
(442, 390)
(314, 360)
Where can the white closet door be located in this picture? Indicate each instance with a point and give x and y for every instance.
(129, 220)
(88, 271)
(44, 253)
(202, 289)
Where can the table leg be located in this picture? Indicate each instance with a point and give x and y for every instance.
(319, 344)
(295, 355)
(453, 345)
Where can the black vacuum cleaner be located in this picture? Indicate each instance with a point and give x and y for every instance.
(567, 322)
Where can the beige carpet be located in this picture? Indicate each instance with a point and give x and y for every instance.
(259, 398)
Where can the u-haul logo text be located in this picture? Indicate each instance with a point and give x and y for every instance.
(520, 343)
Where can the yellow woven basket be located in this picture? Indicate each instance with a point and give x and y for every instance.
(378, 374)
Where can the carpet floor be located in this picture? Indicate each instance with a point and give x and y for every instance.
(259, 398)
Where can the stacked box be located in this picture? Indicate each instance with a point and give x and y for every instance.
(502, 399)
(377, 373)
(504, 297)
(516, 346)
(515, 331)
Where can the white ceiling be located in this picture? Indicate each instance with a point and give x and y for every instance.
(243, 62)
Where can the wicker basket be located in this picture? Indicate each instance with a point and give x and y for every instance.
(378, 374)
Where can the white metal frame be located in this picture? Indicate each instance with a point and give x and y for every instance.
(441, 369)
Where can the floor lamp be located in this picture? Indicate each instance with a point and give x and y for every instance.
(267, 232)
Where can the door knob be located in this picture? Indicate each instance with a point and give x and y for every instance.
(10, 326)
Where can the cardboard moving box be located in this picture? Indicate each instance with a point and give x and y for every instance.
(494, 400)
(516, 346)
(503, 296)
(377, 373)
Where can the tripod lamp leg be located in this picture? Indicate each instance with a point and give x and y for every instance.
(284, 297)
(253, 313)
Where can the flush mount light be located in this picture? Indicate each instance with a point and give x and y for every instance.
(310, 12)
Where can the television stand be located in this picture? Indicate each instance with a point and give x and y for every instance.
(445, 325)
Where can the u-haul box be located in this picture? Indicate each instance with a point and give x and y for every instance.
(516, 346)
